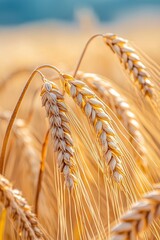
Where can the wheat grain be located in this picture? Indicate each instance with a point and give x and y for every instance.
(139, 217)
(24, 220)
(56, 110)
(100, 120)
(122, 109)
(131, 61)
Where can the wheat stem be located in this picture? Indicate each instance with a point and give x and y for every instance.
(32, 107)
(10, 124)
(83, 52)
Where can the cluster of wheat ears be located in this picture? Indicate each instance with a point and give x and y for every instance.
(96, 172)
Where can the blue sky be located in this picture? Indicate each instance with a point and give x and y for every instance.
(20, 11)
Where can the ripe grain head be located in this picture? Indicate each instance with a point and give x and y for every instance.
(123, 111)
(131, 62)
(24, 221)
(56, 109)
(139, 217)
(100, 120)
(24, 146)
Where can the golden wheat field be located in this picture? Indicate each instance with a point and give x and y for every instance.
(80, 145)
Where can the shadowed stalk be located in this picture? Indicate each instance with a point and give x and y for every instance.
(42, 167)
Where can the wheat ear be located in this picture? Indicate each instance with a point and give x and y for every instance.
(131, 61)
(23, 134)
(139, 217)
(56, 110)
(94, 111)
(24, 220)
(122, 109)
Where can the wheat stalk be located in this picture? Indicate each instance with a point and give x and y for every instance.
(122, 109)
(131, 61)
(24, 220)
(139, 217)
(56, 110)
(94, 111)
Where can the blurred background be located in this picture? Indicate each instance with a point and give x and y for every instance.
(18, 11)
(36, 32)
